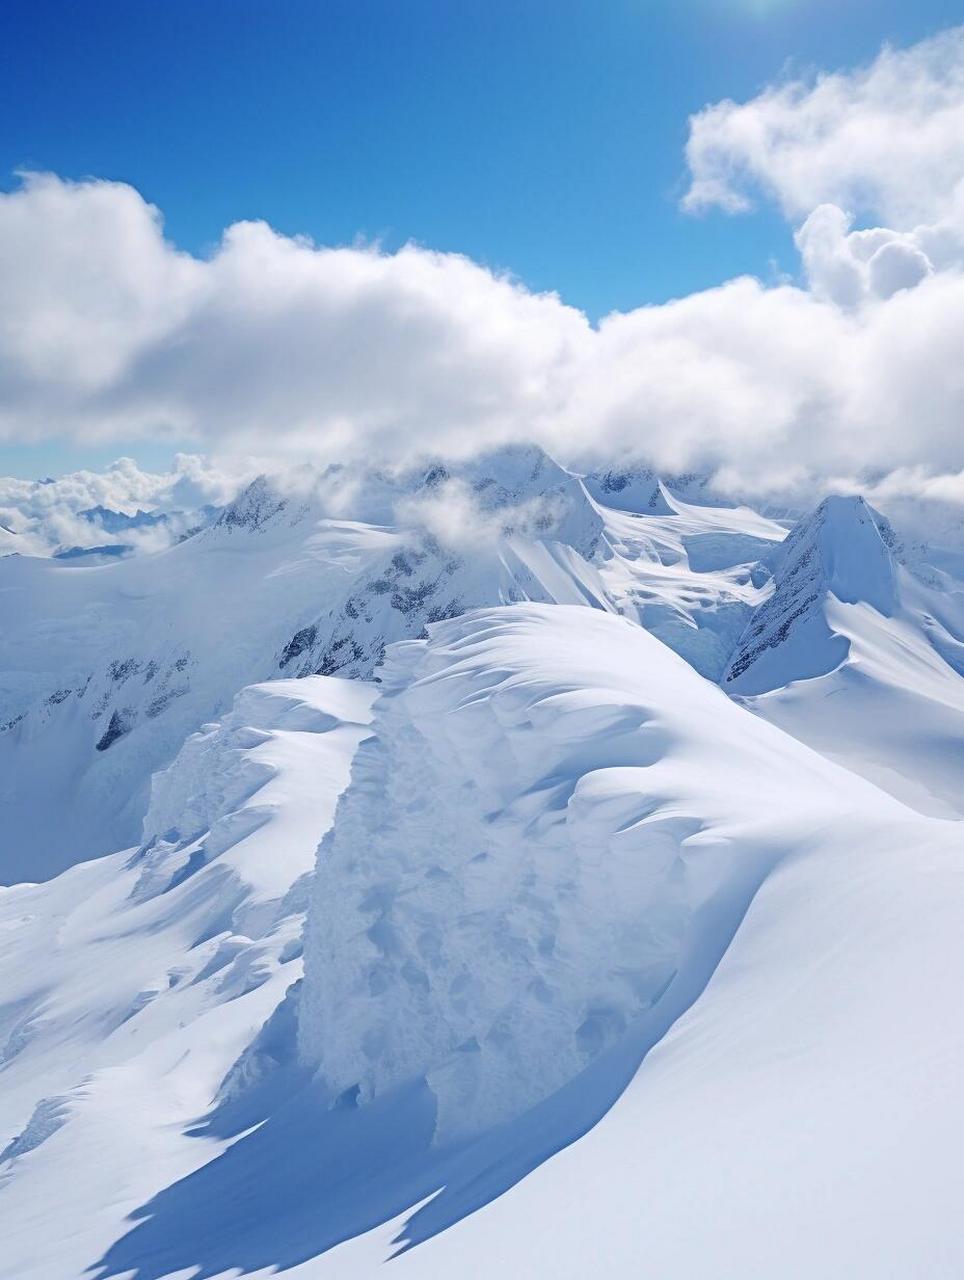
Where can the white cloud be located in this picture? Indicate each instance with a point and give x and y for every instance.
(49, 514)
(275, 346)
(886, 140)
(851, 267)
(109, 331)
(88, 282)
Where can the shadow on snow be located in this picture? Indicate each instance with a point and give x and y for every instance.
(312, 1175)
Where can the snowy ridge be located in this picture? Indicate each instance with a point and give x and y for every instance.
(134, 983)
(575, 902)
(856, 652)
(843, 549)
(524, 862)
(104, 671)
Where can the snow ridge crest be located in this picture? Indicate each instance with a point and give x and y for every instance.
(843, 548)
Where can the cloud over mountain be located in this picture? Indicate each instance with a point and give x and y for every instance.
(76, 509)
(274, 344)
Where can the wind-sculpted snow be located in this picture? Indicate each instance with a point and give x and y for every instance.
(135, 986)
(591, 947)
(532, 852)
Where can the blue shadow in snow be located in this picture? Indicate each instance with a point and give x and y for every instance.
(311, 1176)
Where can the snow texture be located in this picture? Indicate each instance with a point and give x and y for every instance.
(522, 865)
(614, 922)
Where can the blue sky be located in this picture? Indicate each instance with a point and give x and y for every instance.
(541, 136)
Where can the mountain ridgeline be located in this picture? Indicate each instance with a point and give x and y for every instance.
(319, 573)
(397, 831)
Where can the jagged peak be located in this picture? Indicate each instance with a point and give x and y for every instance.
(847, 544)
(511, 471)
(635, 489)
(843, 548)
(642, 490)
(257, 505)
(498, 477)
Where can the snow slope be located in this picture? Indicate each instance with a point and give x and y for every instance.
(131, 984)
(803, 1119)
(859, 653)
(520, 870)
(105, 670)
(601, 968)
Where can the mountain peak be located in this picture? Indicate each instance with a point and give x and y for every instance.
(641, 490)
(254, 507)
(850, 545)
(637, 489)
(843, 548)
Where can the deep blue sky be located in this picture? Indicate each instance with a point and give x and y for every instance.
(543, 136)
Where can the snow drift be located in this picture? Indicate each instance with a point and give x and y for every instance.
(135, 985)
(576, 903)
(554, 824)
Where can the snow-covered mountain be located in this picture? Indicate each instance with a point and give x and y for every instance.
(514, 869)
(123, 508)
(858, 651)
(104, 671)
(689, 573)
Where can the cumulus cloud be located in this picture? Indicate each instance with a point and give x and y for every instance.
(88, 283)
(886, 139)
(50, 514)
(269, 339)
(883, 142)
(851, 267)
(274, 345)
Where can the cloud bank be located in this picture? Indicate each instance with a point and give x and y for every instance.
(275, 345)
(50, 514)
